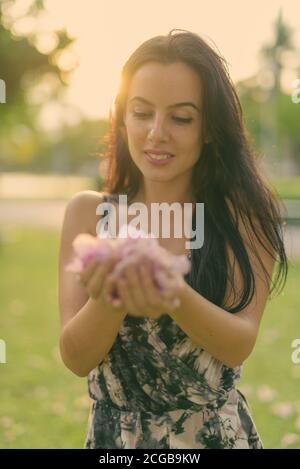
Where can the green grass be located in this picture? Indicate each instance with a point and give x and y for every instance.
(270, 365)
(287, 187)
(43, 405)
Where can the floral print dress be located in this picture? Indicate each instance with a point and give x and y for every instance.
(157, 389)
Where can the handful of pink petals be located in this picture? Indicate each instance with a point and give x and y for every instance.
(132, 246)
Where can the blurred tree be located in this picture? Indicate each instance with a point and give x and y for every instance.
(273, 56)
(22, 67)
(271, 117)
(35, 70)
(273, 53)
(21, 63)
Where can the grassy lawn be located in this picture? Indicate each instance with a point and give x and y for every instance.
(43, 405)
(287, 188)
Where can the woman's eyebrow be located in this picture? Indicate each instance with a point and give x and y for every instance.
(185, 103)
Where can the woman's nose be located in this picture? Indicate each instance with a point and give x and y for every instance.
(158, 129)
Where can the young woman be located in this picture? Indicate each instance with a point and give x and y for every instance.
(160, 377)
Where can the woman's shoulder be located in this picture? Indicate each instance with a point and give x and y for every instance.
(82, 208)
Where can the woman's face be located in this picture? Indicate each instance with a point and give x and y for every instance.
(155, 121)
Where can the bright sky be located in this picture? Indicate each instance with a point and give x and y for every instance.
(108, 31)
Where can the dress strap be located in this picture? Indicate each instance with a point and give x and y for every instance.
(109, 197)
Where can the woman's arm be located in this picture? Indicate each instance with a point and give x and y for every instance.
(87, 338)
(88, 329)
(228, 337)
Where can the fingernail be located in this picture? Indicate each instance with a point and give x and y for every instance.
(117, 303)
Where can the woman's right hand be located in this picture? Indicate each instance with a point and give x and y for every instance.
(96, 279)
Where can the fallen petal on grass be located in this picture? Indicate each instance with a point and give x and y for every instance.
(6, 422)
(289, 439)
(58, 408)
(265, 393)
(282, 409)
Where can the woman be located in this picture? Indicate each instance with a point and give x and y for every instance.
(162, 377)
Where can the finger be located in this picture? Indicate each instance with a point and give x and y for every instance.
(171, 284)
(162, 282)
(110, 291)
(166, 300)
(109, 266)
(101, 273)
(88, 270)
(135, 287)
(96, 281)
(152, 294)
(94, 269)
(125, 296)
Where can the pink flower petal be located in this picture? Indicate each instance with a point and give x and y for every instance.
(132, 246)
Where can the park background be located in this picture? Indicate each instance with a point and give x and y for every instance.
(60, 63)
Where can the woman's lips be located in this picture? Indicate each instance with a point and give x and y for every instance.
(158, 162)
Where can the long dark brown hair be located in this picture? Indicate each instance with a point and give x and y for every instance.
(226, 176)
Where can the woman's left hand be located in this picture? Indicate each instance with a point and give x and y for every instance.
(141, 297)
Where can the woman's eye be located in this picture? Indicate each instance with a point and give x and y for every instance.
(139, 114)
(184, 120)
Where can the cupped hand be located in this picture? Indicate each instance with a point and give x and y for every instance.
(99, 285)
(139, 294)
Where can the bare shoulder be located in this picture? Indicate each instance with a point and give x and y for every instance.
(81, 209)
(80, 217)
